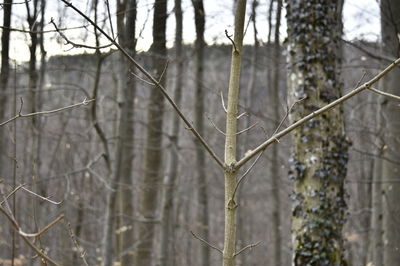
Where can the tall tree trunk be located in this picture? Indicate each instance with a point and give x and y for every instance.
(202, 210)
(167, 229)
(152, 180)
(390, 11)
(230, 205)
(275, 175)
(4, 75)
(320, 151)
(125, 145)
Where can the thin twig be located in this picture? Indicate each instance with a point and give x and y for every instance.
(10, 194)
(223, 103)
(242, 114)
(78, 247)
(42, 32)
(205, 242)
(370, 54)
(163, 72)
(109, 18)
(241, 179)
(247, 247)
(44, 229)
(77, 45)
(361, 79)
(139, 78)
(307, 118)
(215, 126)
(288, 109)
(230, 38)
(85, 102)
(41, 197)
(395, 97)
(153, 80)
(247, 129)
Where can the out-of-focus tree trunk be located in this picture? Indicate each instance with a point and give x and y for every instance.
(274, 171)
(152, 179)
(42, 80)
(390, 12)
(202, 195)
(4, 74)
(167, 229)
(125, 145)
(243, 213)
(320, 151)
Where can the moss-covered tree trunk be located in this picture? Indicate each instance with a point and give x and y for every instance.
(390, 23)
(152, 179)
(319, 154)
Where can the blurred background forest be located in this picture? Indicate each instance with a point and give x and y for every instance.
(129, 178)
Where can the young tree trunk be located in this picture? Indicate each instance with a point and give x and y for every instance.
(275, 173)
(230, 205)
(167, 229)
(320, 151)
(152, 180)
(202, 210)
(390, 11)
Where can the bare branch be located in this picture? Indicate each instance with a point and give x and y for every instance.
(205, 242)
(327, 107)
(288, 109)
(215, 126)
(242, 114)
(43, 230)
(230, 38)
(27, 241)
(44, 31)
(41, 197)
(247, 247)
(153, 80)
(163, 72)
(85, 102)
(77, 45)
(78, 247)
(370, 54)
(139, 78)
(392, 96)
(241, 179)
(10, 194)
(247, 129)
